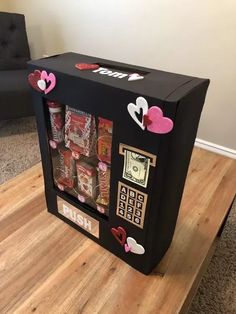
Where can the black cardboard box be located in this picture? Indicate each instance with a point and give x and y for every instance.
(148, 120)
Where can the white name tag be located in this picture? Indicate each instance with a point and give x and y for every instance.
(81, 219)
(104, 71)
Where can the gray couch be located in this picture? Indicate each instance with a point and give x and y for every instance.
(15, 99)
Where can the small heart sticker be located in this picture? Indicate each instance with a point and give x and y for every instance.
(49, 78)
(119, 234)
(81, 198)
(102, 166)
(158, 124)
(134, 247)
(33, 79)
(61, 187)
(42, 85)
(53, 144)
(135, 77)
(127, 248)
(141, 107)
(86, 66)
(101, 209)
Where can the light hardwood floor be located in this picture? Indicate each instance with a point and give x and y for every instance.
(48, 267)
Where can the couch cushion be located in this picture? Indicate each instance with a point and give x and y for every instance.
(15, 97)
(14, 48)
(15, 80)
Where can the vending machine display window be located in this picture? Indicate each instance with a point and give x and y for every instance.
(80, 146)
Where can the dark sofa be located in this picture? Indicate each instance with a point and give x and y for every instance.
(15, 99)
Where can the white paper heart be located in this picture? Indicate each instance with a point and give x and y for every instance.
(42, 84)
(135, 77)
(141, 104)
(135, 247)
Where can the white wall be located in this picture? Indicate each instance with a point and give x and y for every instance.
(189, 37)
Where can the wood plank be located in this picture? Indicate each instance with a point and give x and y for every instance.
(48, 267)
(20, 190)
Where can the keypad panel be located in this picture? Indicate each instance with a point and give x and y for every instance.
(131, 204)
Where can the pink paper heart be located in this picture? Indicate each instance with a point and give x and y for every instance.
(127, 248)
(159, 124)
(49, 78)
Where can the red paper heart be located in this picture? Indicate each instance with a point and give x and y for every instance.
(33, 79)
(86, 66)
(119, 234)
(146, 120)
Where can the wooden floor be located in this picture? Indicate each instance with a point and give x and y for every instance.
(48, 267)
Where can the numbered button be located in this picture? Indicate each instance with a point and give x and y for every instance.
(122, 205)
(130, 209)
(137, 220)
(139, 205)
(138, 213)
(131, 201)
(123, 189)
(140, 198)
(132, 194)
(121, 212)
(123, 197)
(129, 216)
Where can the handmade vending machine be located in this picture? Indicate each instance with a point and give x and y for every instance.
(116, 142)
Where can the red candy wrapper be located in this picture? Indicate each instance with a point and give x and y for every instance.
(80, 132)
(104, 187)
(104, 140)
(57, 121)
(87, 179)
(67, 169)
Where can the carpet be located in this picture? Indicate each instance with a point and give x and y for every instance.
(19, 148)
(217, 291)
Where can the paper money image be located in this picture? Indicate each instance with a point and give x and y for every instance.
(136, 168)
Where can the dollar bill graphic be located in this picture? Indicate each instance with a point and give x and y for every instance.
(136, 168)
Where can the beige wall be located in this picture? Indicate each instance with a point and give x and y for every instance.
(3, 5)
(190, 37)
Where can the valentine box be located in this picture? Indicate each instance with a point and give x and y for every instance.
(116, 141)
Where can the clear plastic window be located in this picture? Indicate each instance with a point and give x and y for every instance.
(81, 154)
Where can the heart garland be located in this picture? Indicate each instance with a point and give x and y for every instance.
(131, 246)
(42, 81)
(152, 118)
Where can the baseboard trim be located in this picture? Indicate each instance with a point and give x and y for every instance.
(228, 152)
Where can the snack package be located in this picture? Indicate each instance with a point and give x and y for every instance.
(87, 179)
(80, 132)
(57, 121)
(67, 169)
(104, 187)
(104, 140)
